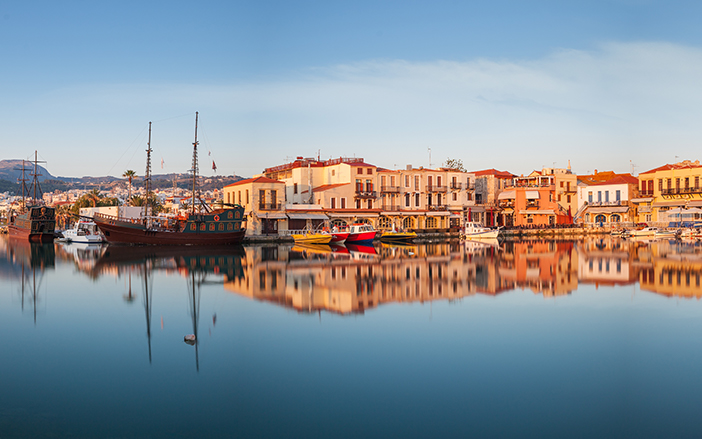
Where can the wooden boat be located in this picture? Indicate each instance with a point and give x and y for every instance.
(473, 230)
(360, 233)
(35, 223)
(223, 226)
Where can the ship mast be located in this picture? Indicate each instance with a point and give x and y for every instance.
(194, 169)
(23, 186)
(35, 180)
(147, 177)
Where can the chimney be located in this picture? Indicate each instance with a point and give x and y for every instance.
(595, 171)
(409, 167)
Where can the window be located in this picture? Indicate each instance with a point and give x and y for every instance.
(407, 200)
(262, 197)
(247, 196)
(687, 182)
(416, 200)
(467, 182)
(697, 182)
(606, 196)
(382, 182)
(618, 195)
(369, 171)
(239, 197)
(561, 184)
(599, 196)
(333, 172)
(568, 198)
(294, 188)
(407, 180)
(370, 204)
(589, 197)
(660, 185)
(392, 180)
(229, 201)
(343, 203)
(359, 171)
(455, 196)
(416, 182)
(333, 203)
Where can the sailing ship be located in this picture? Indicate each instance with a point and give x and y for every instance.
(209, 227)
(35, 222)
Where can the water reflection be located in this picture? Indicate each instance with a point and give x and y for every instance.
(354, 279)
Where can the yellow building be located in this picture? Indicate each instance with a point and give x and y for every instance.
(669, 187)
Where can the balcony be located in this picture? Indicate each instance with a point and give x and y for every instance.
(391, 208)
(456, 186)
(365, 194)
(390, 189)
(432, 188)
(437, 207)
(506, 204)
(270, 206)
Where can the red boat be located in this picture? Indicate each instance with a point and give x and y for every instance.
(360, 233)
(339, 237)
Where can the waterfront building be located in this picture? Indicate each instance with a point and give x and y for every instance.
(533, 200)
(609, 201)
(489, 183)
(263, 200)
(349, 190)
(671, 186)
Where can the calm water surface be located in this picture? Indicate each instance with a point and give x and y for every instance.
(593, 338)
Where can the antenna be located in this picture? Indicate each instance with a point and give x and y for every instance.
(429, 149)
(633, 168)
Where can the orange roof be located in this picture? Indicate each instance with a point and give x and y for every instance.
(255, 180)
(495, 172)
(682, 165)
(328, 186)
(620, 179)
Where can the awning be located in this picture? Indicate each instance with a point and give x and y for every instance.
(675, 203)
(393, 213)
(619, 209)
(507, 195)
(532, 195)
(353, 214)
(305, 216)
(642, 200)
(273, 215)
(438, 214)
(695, 203)
(537, 212)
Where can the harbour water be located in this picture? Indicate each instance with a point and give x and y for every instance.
(598, 337)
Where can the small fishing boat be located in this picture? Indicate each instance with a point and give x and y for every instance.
(311, 237)
(665, 234)
(395, 235)
(360, 233)
(646, 231)
(85, 231)
(473, 230)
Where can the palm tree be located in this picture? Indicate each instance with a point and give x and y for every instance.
(94, 197)
(130, 175)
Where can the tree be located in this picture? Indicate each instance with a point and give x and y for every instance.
(454, 164)
(155, 205)
(130, 175)
(93, 199)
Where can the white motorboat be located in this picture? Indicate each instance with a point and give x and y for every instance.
(473, 230)
(646, 231)
(665, 234)
(85, 231)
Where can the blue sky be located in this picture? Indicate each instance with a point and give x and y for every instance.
(514, 85)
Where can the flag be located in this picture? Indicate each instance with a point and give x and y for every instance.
(214, 167)
(209, 152)
(161, 162)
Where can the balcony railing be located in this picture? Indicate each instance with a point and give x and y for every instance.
(390, 189)
(456, 186)
(365, 194)
(392, 208)
(432, 188)
(437, 207)
(673, 191)
(270, 206)
(608, 203)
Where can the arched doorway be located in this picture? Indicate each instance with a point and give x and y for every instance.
(600, 219)
(615, 218)
(408, 223)
(385, 223)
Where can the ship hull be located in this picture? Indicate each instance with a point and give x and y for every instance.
(22, 233)
(118, 234)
